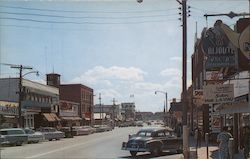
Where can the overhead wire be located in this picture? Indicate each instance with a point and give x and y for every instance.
(87, 17)
(71, 11)
(86, 22)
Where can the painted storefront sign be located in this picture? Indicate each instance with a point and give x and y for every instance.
(198, 97)
(8, 108)
(221, 93)
(68, 108)
(216, 123)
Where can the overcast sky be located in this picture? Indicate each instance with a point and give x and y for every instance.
(117, 47)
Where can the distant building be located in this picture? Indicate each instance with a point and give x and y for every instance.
(143, 115)
(176, 110)
(128, 111)
(111, 111)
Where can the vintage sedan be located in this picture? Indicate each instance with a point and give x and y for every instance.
(13, 136)
(153, 140)
(33, 136)
(82, 130)
(51, 133)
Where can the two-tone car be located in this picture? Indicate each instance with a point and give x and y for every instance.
(153, 140)
(13, 136)
(34, 136)
(51, 133)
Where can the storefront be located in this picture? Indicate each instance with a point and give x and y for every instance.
(235, 115)
(68, 112)
(8, 114)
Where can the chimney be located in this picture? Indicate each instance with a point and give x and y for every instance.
(53, 79)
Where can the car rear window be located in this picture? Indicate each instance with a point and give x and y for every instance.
(3, 132)
(11, 132)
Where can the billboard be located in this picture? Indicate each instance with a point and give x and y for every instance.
(220, 93)
(219, 50)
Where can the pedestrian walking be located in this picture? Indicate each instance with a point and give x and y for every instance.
(246, 142)
(223, 138)
(198, 137)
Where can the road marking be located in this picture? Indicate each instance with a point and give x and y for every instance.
(60, 149)
(67, 147)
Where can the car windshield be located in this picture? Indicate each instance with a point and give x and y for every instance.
(28, 131)
(144, 133)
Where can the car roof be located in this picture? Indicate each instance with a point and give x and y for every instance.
(8, 129)
(153, 129)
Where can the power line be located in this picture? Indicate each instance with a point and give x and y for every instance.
(71, 11)
(87, 17)
(86, 22)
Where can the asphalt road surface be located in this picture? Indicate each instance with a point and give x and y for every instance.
(105, 145)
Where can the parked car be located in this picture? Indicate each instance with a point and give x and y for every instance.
(82, 130)
(34, 137)
(51, 133)
(67, 131)
(2, 138)
(139, 123)
(92, 130)
(153, 140)
(14, 136)
(102, 128)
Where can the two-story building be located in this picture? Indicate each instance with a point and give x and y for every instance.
(39, 103)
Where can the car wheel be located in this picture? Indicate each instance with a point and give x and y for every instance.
(19, 143)
(179, 151)
(50, 139)
(133, 153)
(155, 151)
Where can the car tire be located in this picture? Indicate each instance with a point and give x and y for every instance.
(133, 153)
(179, 151)
(19, 143)
(155, 151)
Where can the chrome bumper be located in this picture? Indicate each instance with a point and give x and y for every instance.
(134, 148)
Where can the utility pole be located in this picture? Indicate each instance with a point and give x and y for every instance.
(21, 68)
(100, 105)
(184, 78)
(113, 108)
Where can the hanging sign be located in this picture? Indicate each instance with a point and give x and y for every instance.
(220, 52)
(221, 93)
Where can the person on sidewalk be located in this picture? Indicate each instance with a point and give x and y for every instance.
(246, 141)
(223, 138)
(198, 137)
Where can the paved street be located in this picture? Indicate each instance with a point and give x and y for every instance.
(98, 145)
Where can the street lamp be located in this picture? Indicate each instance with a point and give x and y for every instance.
(166, 95)
(21, 75)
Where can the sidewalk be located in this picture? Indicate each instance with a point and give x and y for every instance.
(213, 150)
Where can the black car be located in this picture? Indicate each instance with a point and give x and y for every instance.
(153, 140)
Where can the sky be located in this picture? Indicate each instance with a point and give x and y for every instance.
(120, 48)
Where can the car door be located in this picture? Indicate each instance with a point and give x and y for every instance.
(171, 142)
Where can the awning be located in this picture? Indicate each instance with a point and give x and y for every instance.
(87, 118)
(55, 116)
(51, 117)
(70, 118)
